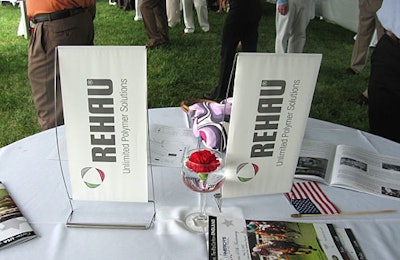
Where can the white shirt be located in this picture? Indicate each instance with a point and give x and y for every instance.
(389, 16)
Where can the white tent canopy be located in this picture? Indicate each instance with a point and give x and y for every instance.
(341, 12)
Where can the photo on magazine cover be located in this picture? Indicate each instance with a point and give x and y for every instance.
(390, 192)
(8, 209)
(14, 228)
(312, 166)
(354, 163)
(283, 240)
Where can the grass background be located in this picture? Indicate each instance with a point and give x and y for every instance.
(186, 68)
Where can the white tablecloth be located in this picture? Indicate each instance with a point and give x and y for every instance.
(34, 181)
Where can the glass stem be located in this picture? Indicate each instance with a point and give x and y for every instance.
(203, 215)
(198, 143)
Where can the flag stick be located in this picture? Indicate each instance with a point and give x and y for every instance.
(298, 215)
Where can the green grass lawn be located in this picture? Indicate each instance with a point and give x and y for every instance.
(186, 68)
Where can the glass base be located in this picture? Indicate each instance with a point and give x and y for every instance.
(197, 222)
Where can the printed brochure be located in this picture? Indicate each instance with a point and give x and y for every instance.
(349, 167)
(231, 238)
(14, 228)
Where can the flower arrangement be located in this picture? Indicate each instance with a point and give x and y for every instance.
(202, 172)
(203, 162)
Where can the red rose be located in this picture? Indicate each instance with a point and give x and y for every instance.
(203, 161)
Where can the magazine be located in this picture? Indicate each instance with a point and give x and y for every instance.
(14, 228)
(231, 238)
(349, 167)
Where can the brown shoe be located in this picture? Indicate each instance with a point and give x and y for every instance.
(360, 100)
(350, 71)
(156, 43)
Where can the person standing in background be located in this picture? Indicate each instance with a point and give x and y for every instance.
(384, 81)
(155, 20)
(202, 15)
(57, 22)
(173, 12)
(368, 22)
(138, 14)
(221, 7)
(292, 19)
(241, 25)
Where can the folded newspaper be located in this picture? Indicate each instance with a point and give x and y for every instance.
(349, 167)
(14, 228)
(232, 238)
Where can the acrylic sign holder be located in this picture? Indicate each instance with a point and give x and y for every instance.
(96, 213)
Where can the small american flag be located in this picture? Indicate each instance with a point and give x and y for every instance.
(308, 198)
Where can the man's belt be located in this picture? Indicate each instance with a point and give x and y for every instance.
(57, 15)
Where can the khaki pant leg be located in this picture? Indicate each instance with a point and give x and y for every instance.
(366, 27)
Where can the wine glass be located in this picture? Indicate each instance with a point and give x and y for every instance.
(202, 172)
